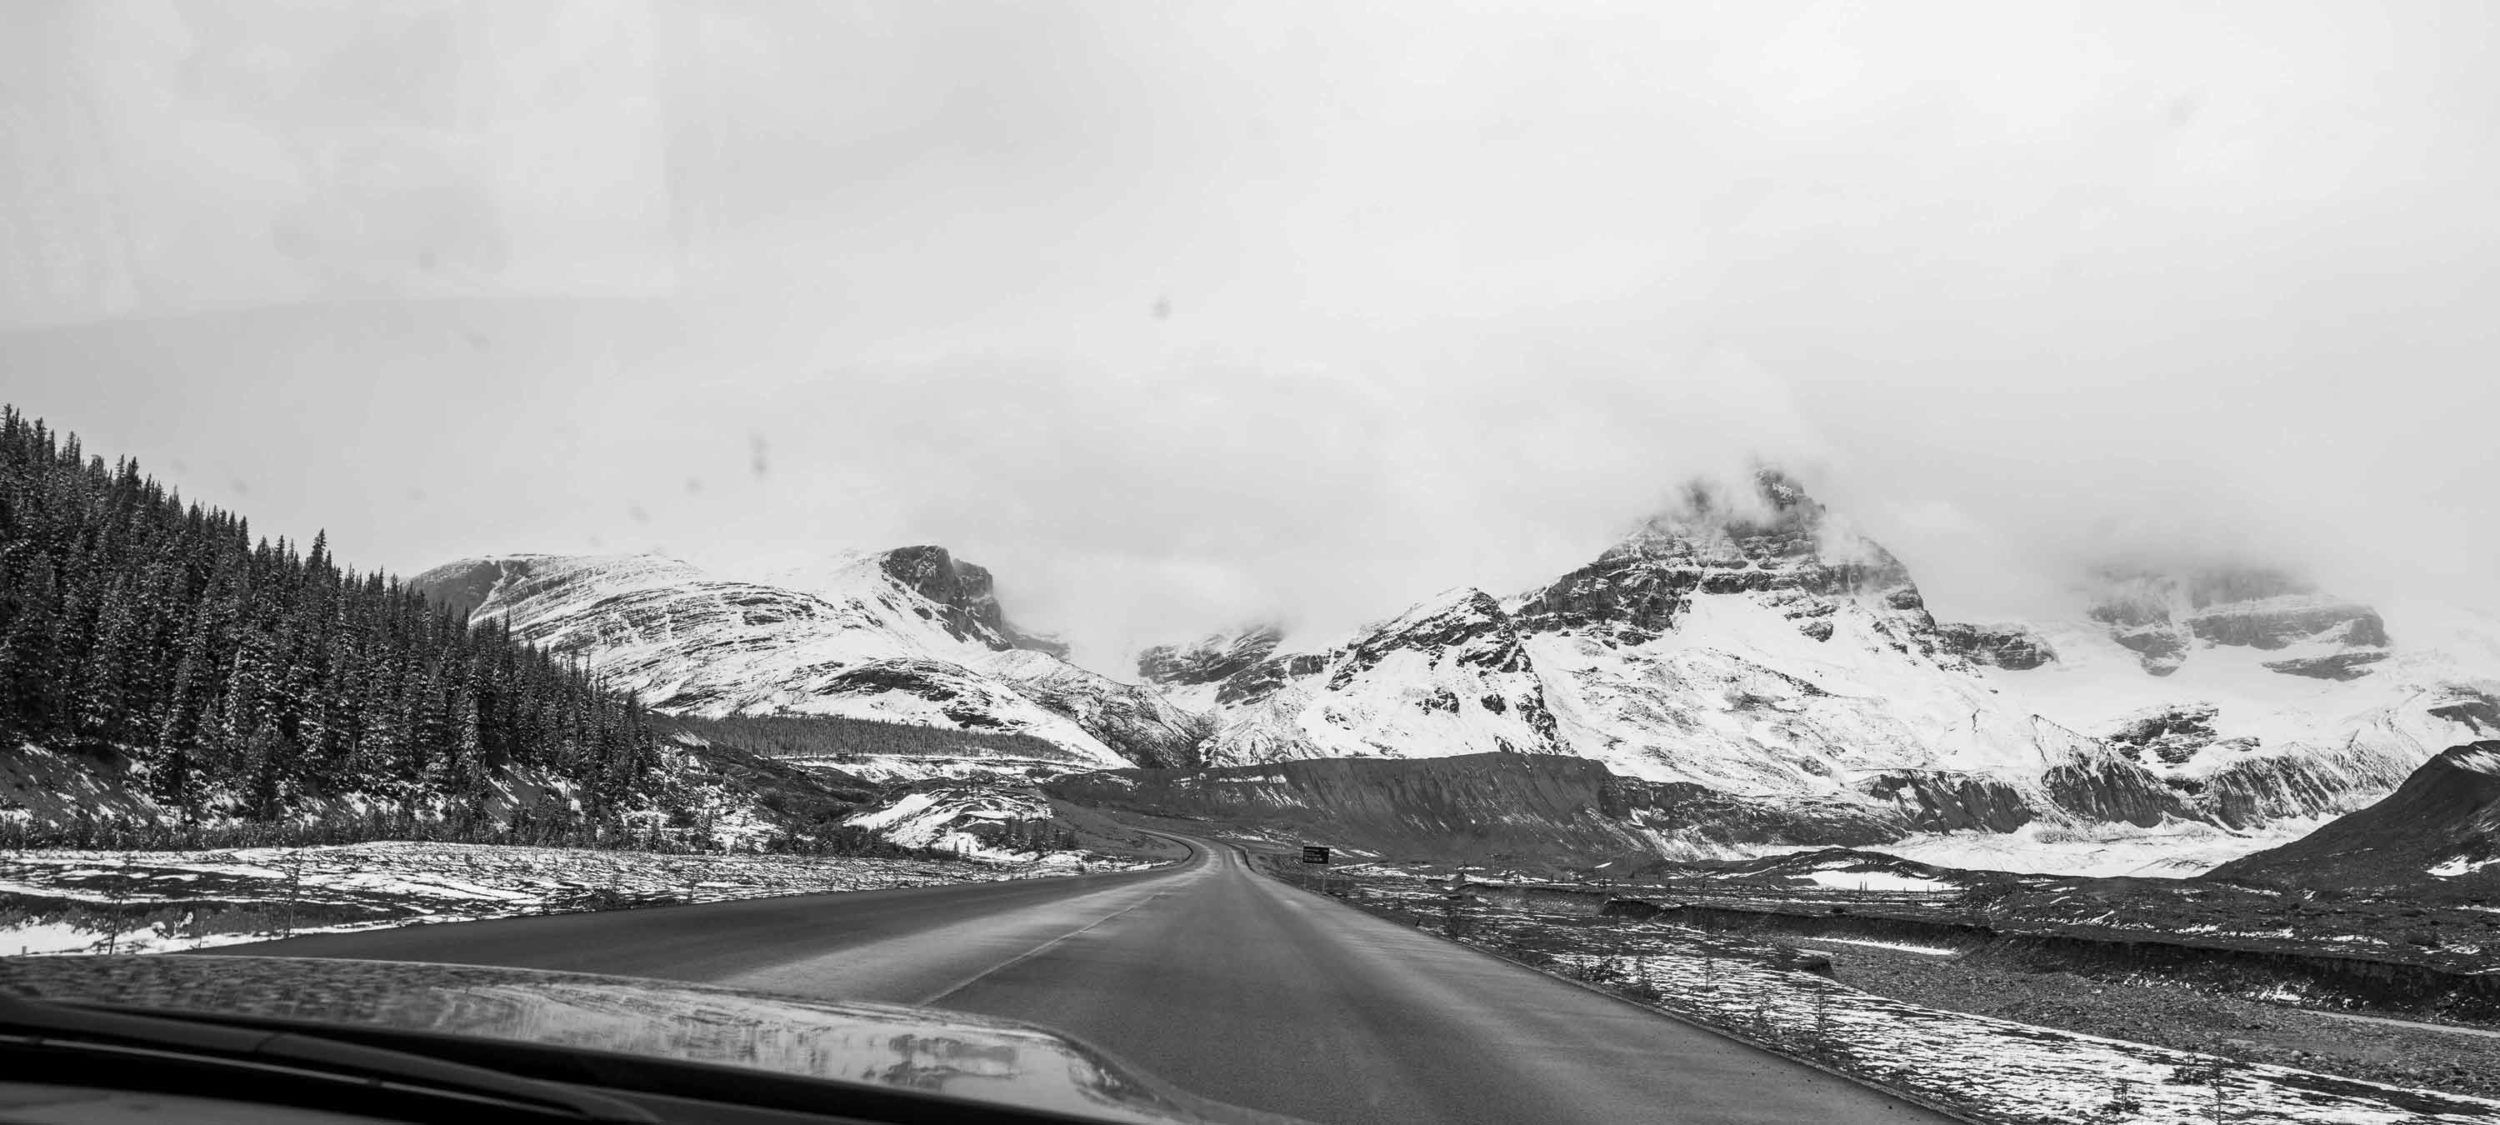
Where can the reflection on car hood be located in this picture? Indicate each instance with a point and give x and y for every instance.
(952, 1053)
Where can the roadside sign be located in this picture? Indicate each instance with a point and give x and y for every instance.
(1314, 855)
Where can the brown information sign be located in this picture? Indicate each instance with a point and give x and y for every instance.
(1314, 855)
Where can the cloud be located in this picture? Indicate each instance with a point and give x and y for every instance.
(1451, 299)
(1202, 489)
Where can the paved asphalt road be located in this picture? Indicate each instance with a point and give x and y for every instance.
(1218, 980)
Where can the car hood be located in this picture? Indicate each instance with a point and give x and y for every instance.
(940, 1052)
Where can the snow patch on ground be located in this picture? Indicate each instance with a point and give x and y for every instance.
(62, 901)
(1904, 947)
(2461, 866)
(2171, 850)
(966, 820)
(889, 769)
(1878, 881)
(2011, 1071)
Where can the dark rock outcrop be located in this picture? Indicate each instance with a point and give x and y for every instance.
(1625, 597)
(2159, 648)
(2161, 616)
(461, 586)
(2009, 646)
(1470, 625)
(1262, 679)
(1934, 801)
(935, 681)
(2112, 790)
(2137, 611)
(967, 594)
(2262, 788)
(2334, 666)
(2479, 711)
(1209, 660)
(2278, 622)
(2168, 735)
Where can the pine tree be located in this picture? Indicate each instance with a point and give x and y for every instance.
(30, 689)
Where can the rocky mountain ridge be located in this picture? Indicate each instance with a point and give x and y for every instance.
(1751, 641)
(1748, 642)
(910, 635)
(2440, 830)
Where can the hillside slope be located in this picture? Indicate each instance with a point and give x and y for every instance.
(2439, 830)
(909, 635)
(1519, 809)
(166, 676)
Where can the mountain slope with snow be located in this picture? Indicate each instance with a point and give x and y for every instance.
(1752, 642)
(910, 635)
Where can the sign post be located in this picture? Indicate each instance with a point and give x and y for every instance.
(1318, 855)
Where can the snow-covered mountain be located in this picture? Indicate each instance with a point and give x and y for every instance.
(908, 635)
(1748, 641)
(1751, 641)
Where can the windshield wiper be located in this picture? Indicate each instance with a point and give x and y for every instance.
(68, 1045)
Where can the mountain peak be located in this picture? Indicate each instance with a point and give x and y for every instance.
(1770, 503)
(1769, 538)
(933, 573)
(963, 593)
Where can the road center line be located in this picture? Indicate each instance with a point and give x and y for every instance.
(1029, 954)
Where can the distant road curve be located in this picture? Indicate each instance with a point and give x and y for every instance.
(1205, 974)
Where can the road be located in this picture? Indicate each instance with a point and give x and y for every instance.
(1221, 981)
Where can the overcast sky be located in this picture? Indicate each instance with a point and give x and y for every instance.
(1177, 314)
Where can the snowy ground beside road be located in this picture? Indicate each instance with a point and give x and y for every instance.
(1992, 1070)
(1997, 1070)
(61, 901)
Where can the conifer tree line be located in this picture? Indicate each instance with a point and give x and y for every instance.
(250, 679)
(841, 737)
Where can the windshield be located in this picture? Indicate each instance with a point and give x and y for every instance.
(1490, 562)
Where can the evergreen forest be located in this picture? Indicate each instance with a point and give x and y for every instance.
(237, 679)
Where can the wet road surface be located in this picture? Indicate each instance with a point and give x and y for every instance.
(1221, 981)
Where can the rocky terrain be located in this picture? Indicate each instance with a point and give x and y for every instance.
(1208, 662)
(2438, 832)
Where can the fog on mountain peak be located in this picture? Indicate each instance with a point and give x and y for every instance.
(1311, 310)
